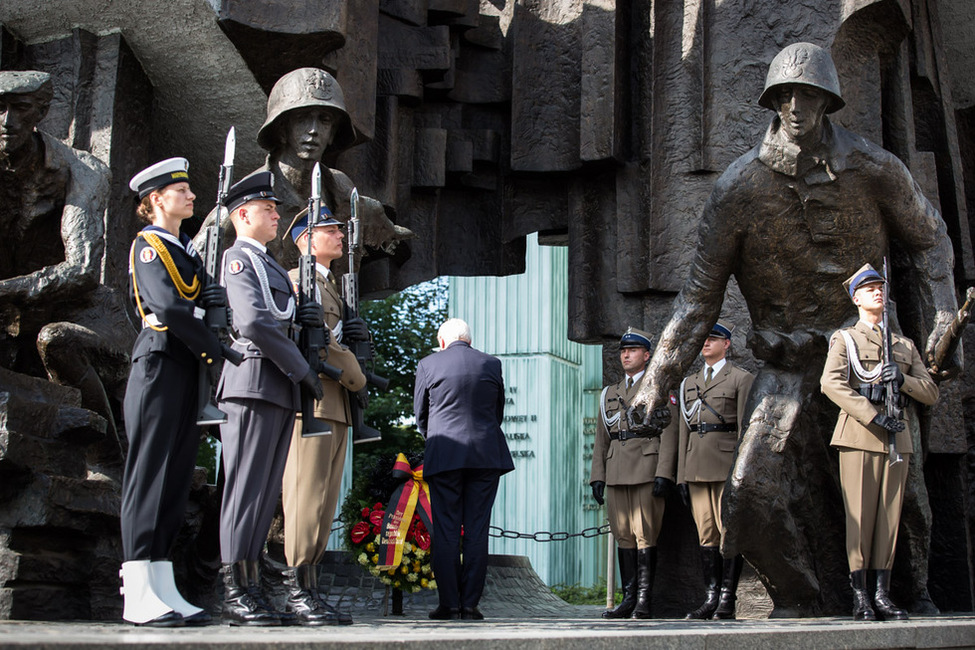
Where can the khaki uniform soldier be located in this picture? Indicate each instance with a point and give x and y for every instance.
(313, 473)
(873, 489)
(712, 402)
(639, 471)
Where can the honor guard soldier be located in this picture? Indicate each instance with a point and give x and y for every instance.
(635, 471)
(711, 405)
(260, 396)
(313, 474)
(855, 378)
(161, 397)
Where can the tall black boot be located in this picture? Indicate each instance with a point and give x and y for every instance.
(646, 567)
(862, 611)
(882, 605)
(302, 596)
(711, 566)
(239, 605)
(729, 588)
(627, 560)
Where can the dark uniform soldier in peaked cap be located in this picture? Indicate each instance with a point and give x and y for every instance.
(260, 396)
(161, 398)
(873, 489)
(635, 471)
(712, 402)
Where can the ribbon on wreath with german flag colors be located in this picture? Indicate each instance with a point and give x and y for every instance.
(412, 496)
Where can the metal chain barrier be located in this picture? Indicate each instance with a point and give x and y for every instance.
(545, 536)
(540, 536)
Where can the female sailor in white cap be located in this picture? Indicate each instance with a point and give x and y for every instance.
(161, 397)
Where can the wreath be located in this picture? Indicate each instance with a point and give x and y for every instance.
(386, 523)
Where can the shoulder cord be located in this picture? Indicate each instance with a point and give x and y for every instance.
(186, 291)
(610, 422)
(278, 314)
(686, 412)
(854, 361)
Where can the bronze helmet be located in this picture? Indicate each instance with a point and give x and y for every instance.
(303, 88)
(803, 63)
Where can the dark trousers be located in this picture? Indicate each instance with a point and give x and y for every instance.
(160, 421)
(255, 438)
(458, 498)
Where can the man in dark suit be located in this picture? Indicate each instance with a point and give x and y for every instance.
(260, 396)
(459, 403)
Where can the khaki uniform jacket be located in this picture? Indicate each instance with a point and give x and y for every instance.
(633, 461)
(853, 429)
(334, 405)
(709, 457)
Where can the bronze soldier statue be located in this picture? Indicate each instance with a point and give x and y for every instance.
(55, 317)
(790, 219)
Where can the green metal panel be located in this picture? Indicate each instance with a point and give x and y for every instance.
(552, 386)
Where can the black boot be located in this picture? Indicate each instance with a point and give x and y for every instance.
(239, 605)
(302, 596)
(627, 560)
(729, 588)
(646, 567)
(882, 605)
(711, 566)
(862, 611)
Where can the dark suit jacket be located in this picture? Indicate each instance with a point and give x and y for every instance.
(459, 405)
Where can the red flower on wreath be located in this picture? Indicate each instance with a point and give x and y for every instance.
(359, 532)
(376, 517)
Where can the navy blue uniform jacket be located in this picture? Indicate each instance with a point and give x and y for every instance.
(459, 405)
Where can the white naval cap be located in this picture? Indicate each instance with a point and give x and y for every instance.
(154, 177)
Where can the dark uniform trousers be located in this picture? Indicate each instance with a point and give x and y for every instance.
(313, 474)
(161, 401)
(873, 491)
(629, 468)
(705, 459)
(260, 397)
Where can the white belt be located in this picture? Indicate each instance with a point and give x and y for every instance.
(151, 320)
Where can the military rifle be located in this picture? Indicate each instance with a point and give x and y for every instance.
(361, 432)
(948, 343)
(216, 316)
(891, 390)
(313, 341)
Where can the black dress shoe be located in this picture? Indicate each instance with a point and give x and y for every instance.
(445, 613)
(471, 614)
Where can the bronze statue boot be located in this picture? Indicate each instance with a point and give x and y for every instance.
(729, 588)
(301, 582)
(862, 610)
(882, 605)
(243, 604)
(711, 566)
(627, 560)
(646, 567)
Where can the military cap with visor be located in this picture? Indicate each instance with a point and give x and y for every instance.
(634, 338)
(257, 186)
(865, 275)
(299, 225)
(721, 330)
(163, 173)
(26, 82)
